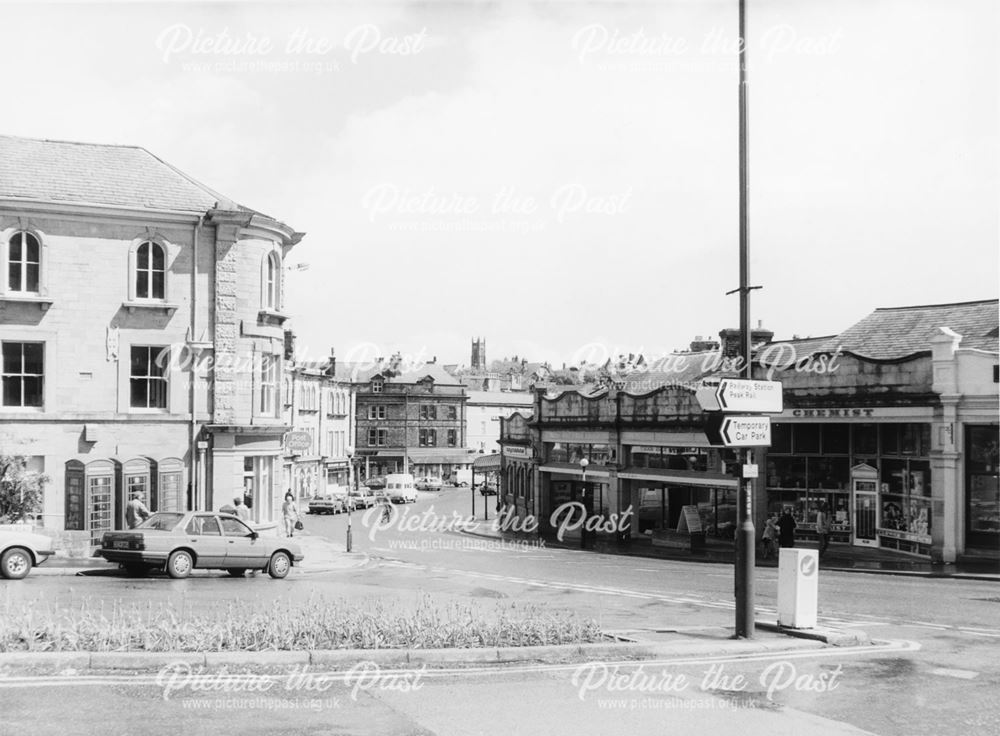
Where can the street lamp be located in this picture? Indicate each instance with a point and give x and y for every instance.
(584, 462)
(352, 482)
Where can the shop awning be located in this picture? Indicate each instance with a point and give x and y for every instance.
(443, 457)
(487, 462)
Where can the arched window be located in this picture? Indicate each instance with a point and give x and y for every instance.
(150, 271)
(24, 259)
(272, 282)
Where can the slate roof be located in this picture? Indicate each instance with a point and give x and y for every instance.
(363, 372)
(897, 332)
(91, 173)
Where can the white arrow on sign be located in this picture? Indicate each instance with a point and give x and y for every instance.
(731, 431)
(738, 394)
(707, 396)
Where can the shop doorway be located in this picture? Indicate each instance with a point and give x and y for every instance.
(864, 505)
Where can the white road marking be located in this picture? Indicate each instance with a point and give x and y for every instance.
(961, 674)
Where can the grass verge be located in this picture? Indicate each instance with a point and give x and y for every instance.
(97, 626)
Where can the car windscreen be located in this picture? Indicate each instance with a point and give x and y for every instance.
(163, 521)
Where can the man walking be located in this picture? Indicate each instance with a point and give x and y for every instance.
(823, 524)
(136, 511)
(242, 510)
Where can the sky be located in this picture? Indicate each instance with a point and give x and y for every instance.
(558, 178)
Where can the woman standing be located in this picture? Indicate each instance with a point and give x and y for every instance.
(290, 513)
(769, 536)
(786, 529)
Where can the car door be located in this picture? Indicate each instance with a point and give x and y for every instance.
(205, 537)
(244, 548)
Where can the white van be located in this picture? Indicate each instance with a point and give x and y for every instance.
(399, 488)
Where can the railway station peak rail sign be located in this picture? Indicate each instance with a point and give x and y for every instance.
(740, 395)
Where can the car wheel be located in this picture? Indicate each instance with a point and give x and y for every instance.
(236, 572)
(179, 564)
(15, 563)
(279, 565)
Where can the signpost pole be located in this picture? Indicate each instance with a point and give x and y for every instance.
(745, 550)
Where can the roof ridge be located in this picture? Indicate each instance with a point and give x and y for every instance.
(219, 197)
(932, 306)
(71, 143)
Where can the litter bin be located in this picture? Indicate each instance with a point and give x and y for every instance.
(798, 587)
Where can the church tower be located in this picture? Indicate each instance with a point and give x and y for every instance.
(479, 354)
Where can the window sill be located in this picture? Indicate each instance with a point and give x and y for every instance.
(271, 317)
(166, 307)
(43, 302)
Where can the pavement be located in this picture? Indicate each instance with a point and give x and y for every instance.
(839, 557)
(320, 555)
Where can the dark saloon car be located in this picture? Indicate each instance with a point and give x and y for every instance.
(179, 542)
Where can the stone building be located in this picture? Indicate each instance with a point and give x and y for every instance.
(320, 411)
(408, 419)
(141, 326)
(894, 424)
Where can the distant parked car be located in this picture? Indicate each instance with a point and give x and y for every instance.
(489, 488)
(20, 551)
(361, 498)
(330, 504)
(428, 484)
(375, 483)
(180, 542)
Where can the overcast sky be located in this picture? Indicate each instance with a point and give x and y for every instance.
(555, 175)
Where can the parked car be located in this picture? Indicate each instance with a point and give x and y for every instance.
(180, 542)
(361, 498)
(20, 551)
(375, 483)
(461, 478)
(488, 488)
(428, 484)
(399, 488)
(329, 504)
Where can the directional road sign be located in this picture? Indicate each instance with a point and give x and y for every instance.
(706, 396)
(738, 431)
(740, 395)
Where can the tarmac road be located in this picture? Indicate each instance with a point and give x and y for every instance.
(938, 676)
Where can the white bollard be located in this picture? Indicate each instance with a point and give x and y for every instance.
(798, 587)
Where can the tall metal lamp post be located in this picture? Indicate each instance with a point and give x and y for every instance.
(352, 483)
(584, 462)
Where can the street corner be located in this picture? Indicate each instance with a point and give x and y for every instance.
(324, 555)
(832, 636)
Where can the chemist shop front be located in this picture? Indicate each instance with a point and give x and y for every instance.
(870, 466)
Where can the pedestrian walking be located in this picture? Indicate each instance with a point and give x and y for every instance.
(136, 511)
(786, 529)
(770, 535)
(242, 510)
(290, 514)
(823, 524)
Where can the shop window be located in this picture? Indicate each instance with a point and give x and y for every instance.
(826, 473)
(556, 453)
(909, 439)
(148, 377)
(787, 472)
(865, 439)
(806, 439)
(23, 373)
(781, 439)
(836, 439)
(889, 438)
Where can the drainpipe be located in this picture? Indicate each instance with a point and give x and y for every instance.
(195, 477)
